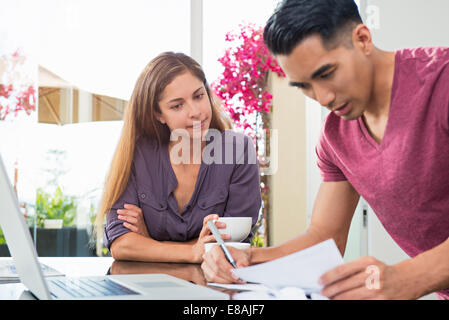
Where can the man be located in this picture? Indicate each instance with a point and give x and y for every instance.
(386, 139)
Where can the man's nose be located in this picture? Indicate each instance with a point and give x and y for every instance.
(324, 96)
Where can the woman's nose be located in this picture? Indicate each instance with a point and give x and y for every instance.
(194, 111)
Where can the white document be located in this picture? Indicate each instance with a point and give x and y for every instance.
(301, 269)
(8, 271)
(254, 291)
(239, 287)
(287, 293)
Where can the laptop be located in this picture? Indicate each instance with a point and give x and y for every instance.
(130, 286)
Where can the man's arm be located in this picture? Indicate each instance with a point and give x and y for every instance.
(331, 218)
(428, 272)
(369, 278)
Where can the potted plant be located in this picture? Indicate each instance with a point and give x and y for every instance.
(57, 207)
(4, 252)
(55, 214)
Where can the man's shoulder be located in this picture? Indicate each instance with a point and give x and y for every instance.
(424, 69)
(425, 58)
(424, 52)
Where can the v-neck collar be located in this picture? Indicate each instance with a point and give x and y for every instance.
(391, 115)
(173, 181)
(376, 145)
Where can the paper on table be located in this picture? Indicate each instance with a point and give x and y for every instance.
(240, 287)
(301, 269)
(253, 291)
(8, 271)
(287, 293)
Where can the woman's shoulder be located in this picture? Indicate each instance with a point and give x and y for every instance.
(233, 133)
(144, 142)
(235, 138)
(146, 148)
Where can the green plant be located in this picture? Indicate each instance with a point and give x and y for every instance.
(257, 241)
(2, 237)
(56, 206)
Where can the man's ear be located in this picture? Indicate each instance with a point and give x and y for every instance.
(362, 38)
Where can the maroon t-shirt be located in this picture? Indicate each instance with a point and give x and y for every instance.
(405, 178)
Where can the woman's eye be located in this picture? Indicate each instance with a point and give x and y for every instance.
(199, 96)
(175, 107)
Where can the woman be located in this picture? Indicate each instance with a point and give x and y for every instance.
(157, 206)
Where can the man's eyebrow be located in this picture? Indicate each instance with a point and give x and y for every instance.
(322, 70)
(297, 84)
(315, 75)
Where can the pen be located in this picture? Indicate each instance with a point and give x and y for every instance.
(220, 241)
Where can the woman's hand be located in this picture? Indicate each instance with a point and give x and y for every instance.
(206, 236)
(133, 219)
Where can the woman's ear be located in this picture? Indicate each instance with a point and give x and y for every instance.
(160, 117)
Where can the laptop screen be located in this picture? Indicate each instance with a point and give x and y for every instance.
(19, 239)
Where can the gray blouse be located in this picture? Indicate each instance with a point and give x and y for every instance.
(229, 188)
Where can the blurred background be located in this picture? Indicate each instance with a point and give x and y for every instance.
(67, 69)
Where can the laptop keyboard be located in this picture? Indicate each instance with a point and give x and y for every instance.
(86, 287)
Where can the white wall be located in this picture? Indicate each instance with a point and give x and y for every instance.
(411, 23)
(288, 194)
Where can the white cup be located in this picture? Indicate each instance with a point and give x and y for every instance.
(237, 245)
(237, 227)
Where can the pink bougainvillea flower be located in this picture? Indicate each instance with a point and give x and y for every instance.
(17, 96)
(242, 85)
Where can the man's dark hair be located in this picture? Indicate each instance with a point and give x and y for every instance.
(295, 20)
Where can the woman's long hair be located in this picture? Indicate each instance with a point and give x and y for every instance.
(140, 120)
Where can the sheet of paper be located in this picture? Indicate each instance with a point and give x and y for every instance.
(301, 269)
(287, 293)
(240, 287)
(8, 271)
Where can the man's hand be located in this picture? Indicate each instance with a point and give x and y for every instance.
(367, 278)
(216, 267)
